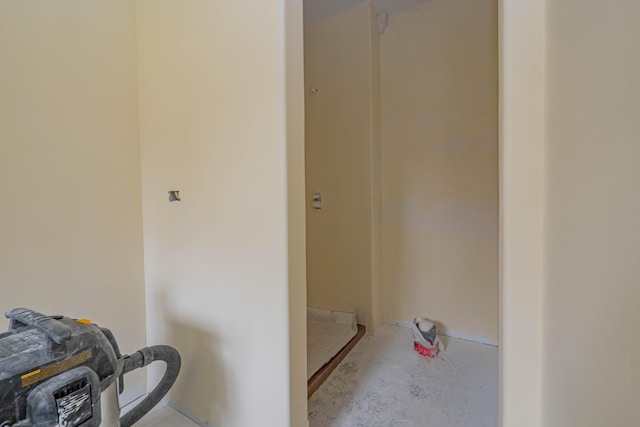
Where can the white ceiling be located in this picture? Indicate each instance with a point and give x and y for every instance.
(317, 10)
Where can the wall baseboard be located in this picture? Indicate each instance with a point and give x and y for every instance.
(166, 402)
(182, 409)
(449, 333)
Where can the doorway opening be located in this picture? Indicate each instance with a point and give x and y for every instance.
(401, 158)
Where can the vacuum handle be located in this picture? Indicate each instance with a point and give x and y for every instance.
(57, 331)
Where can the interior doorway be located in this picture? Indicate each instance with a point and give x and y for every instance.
(402, 163)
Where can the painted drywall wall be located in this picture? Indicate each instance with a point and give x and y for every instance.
(439, 65)
(294, 77)
(522, 76)
(71, 230)
(213, 126)
(339, 149)
(592, 238)
(317, 10)
(376, 171)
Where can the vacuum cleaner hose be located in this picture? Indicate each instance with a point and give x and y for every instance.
(142, 358)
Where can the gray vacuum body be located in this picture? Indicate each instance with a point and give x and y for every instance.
(54, 370)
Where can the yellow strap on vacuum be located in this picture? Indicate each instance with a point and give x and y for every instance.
(55, 368)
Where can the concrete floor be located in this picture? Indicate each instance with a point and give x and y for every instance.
(384, 382)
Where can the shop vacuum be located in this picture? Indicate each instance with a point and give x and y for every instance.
(57, 371)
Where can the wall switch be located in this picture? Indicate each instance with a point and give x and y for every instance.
(316, 201)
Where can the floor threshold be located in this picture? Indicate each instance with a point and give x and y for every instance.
(319, 377)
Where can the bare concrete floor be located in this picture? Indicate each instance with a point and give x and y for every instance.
(384, 382)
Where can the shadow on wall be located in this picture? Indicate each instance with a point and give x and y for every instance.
(201, 389)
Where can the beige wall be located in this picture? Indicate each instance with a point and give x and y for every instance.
(71, 231)
(294, 74)
(522, 58)
(213, 125)
(340, 122)
(439, 166)
(569, 211)
(376, 171)
(592, 293)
